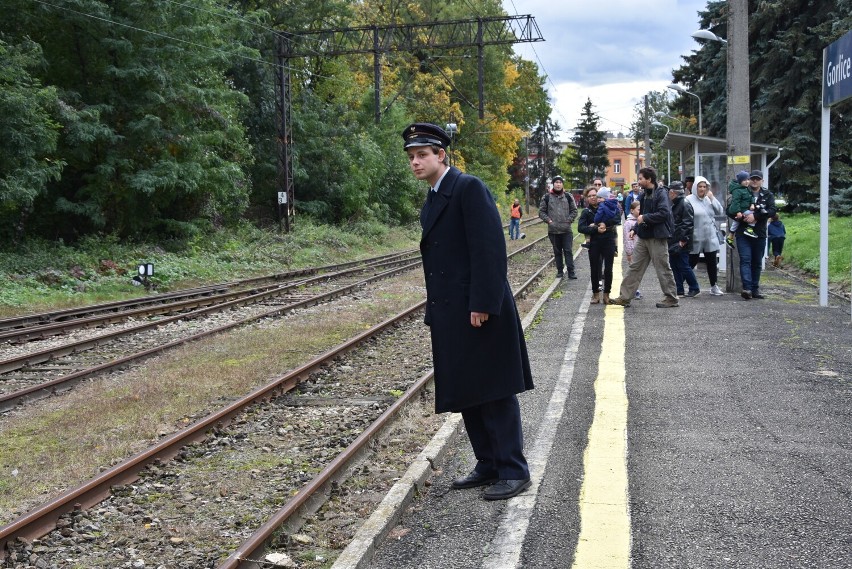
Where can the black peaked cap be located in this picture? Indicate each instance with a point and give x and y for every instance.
(423, 134)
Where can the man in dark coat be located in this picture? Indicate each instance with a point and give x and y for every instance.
(478, 349)
(654, 226)
(680, 241)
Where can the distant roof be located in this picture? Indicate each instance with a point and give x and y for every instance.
(623, 143)
(707, 144)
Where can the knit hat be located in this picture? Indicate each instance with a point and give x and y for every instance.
(742, 176)
(603, 193)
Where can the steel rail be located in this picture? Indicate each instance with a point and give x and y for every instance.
(42, 519)
(13, 399)
(182, 306)
(49, 388)
(254, 546)
(58, 315)
(17, 322)
(81, 345)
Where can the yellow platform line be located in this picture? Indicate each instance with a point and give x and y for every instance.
(604, 541)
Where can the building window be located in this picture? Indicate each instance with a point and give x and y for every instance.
(616, 167)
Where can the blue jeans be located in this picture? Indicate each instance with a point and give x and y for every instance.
(514, 228)
(751, 251)
(681, 270)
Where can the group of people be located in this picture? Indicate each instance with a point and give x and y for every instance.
(670, 227)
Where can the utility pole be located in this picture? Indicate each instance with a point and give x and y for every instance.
(648, 153)
(284, 181)
(527, 172)
(738, 127)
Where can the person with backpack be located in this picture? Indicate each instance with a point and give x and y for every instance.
(558, 210)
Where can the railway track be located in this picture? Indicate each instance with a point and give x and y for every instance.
(349, 398)
(34, 375)
(40, 326)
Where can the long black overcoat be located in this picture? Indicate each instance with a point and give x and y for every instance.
(464, 260)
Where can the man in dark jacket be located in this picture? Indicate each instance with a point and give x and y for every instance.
(752, 249)
(558, 210)
(680, 241)
(478, 349)
(654, 226)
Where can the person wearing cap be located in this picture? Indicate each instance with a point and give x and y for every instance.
(680, 241)
(654, 226)
(705, 233)
(558, 210)
(479, 354)
(752, 249)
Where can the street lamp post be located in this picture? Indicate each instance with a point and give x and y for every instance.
(668, 153)
(664, 115)
(679, 89)
(738, 125)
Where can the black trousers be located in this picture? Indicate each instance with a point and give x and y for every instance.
(563, 248)
(495, 433)
(601, 253)
(712, 262)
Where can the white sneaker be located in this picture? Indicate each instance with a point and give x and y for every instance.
(716, 291)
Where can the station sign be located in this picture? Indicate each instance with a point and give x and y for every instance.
(837, 71)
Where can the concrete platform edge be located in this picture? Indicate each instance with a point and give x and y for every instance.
(359, 553)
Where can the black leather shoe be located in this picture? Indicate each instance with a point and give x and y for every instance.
(757, 295)
(572, 276)
(505, 489)
(473, 480)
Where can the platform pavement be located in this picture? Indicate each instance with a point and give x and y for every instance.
(716, 434)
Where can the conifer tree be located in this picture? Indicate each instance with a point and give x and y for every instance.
(590, 143)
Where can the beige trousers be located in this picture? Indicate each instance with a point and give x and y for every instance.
(649, 251)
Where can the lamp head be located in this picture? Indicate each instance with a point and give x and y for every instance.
(708, 35)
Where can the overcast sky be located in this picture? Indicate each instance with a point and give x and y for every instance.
(612, 51)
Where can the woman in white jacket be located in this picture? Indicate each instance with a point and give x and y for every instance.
(705, 233)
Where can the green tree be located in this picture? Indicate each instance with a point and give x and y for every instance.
(28, 134)
(544, 149)
(786, 40)
(591, 158)
(152, 133)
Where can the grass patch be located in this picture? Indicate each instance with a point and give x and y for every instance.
(801, 248)
(41, 275)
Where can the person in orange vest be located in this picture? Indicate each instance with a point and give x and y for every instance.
(515, 220)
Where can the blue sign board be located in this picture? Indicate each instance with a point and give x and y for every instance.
(837, 71)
